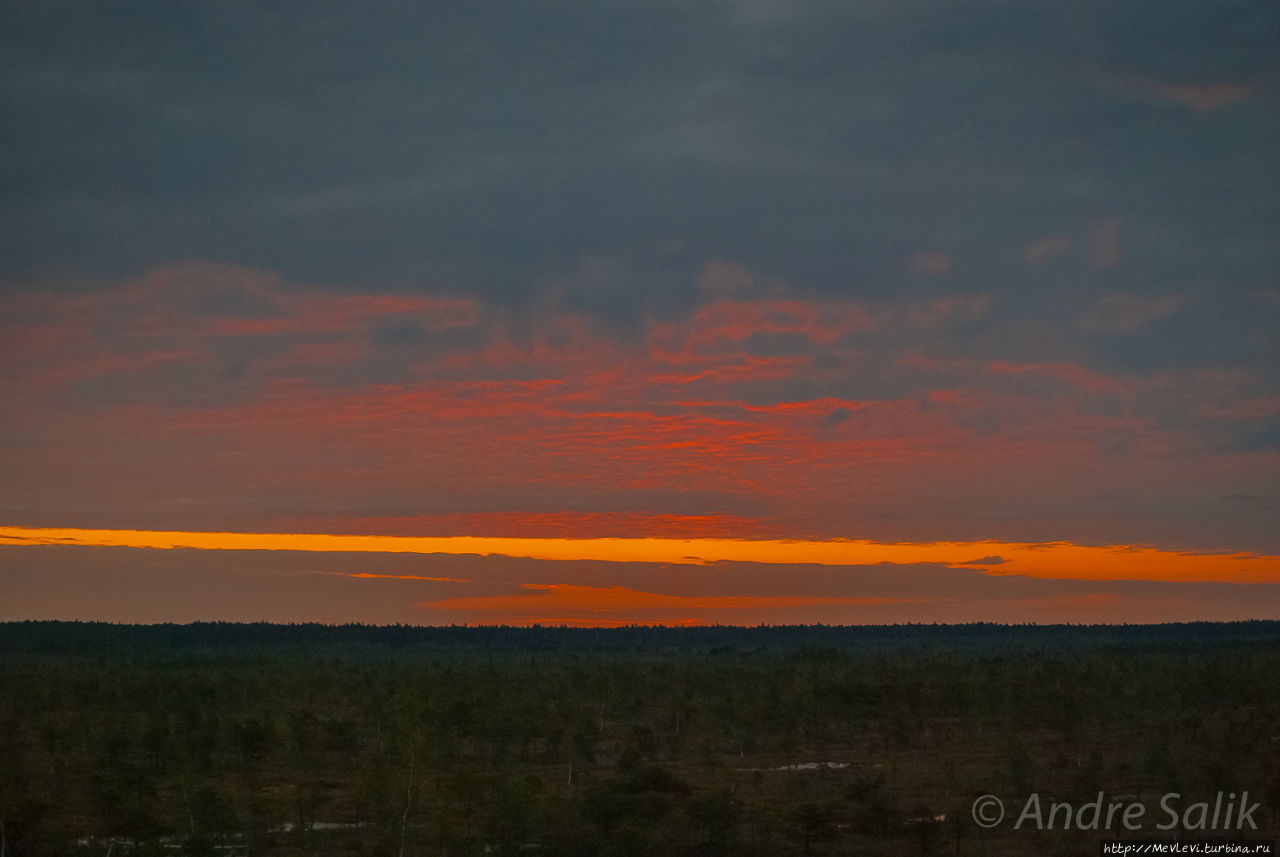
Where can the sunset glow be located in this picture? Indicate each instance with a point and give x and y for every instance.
(1049, 560)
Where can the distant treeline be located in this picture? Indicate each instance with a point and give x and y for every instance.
(65, 637)
(100, 638)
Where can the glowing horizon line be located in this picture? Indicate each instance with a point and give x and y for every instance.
(1060, 559)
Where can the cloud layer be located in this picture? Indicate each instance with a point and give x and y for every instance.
(722, 268)
(207, 398)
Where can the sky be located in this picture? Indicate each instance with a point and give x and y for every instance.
(711, 311)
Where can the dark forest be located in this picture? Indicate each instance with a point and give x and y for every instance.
(268, 739)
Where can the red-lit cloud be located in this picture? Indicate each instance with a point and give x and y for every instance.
(220, 400)
(1202, 96)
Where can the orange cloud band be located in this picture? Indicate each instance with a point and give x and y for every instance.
(1062, 560)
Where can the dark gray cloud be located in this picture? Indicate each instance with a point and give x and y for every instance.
(494, 147)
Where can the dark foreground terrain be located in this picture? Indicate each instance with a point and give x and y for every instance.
(289, 740)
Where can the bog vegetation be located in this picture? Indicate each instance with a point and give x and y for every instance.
(288, 740)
